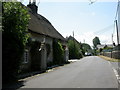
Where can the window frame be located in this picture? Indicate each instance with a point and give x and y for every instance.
(26, 56)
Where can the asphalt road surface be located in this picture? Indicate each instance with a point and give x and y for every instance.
(89, 72)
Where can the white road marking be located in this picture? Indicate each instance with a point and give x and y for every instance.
(116, 72)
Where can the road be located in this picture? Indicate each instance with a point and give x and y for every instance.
(89, 72)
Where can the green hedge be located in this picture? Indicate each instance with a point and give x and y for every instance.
(74, 50)
(14, 21)
(58, 53)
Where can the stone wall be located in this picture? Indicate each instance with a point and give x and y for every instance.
(113, 54)
(116, 54)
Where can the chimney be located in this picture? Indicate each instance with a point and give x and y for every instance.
(33, 6)
(34, 2)
(29, 1)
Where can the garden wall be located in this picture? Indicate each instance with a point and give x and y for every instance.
(113, 54)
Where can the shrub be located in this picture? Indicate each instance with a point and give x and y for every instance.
(14, 31)
(58, 53)
(74, 50)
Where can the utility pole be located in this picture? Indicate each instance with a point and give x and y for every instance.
(113, 43)
(73, 39)
(117, 31)
(112, 38)
(73, 34)
(84, 40)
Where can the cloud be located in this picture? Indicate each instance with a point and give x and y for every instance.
(77, 0)
(86, 37)
(89, 36)
(93, 13)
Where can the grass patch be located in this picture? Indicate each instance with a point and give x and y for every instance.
(109, 59)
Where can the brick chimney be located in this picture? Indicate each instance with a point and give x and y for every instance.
(33, 6)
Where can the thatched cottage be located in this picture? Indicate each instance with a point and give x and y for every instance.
(42, 34)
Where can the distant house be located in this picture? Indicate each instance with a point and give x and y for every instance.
(100, 46)
(103, 45)
(38, 54)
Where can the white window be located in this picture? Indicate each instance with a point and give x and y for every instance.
(26, 55)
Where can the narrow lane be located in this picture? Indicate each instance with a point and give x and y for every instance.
(89, 72)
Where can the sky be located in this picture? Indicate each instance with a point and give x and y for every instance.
(85, 19)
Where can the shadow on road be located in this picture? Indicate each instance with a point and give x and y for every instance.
(13, 86)
(19, 84)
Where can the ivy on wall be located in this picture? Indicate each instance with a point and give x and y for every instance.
(58, 53)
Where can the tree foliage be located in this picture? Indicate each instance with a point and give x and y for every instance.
(96, 41)
(58, 53)
(86, 48)
(74, 50)
(15, 20)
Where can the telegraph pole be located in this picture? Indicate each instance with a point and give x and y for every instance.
(112, 38)
(84, 40)
(73, 39)
(73, 34)
(117, 31)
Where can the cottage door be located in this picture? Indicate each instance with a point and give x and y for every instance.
(43, 58)
(35, 57)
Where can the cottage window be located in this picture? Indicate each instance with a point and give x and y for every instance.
(26, 56)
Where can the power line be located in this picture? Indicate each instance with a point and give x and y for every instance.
(104, 29)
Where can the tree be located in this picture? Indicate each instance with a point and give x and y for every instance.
(86, 48)
(96, 42)
(15, 20)
(58, 53)
(74, 50)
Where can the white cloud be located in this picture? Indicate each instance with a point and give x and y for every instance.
(88, 37)
(93, 13)
(105, 39)
(77, 0)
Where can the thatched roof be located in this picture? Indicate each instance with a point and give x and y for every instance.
(41, 25)
(72, 38)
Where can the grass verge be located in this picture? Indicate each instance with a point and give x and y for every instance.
(110, 59)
